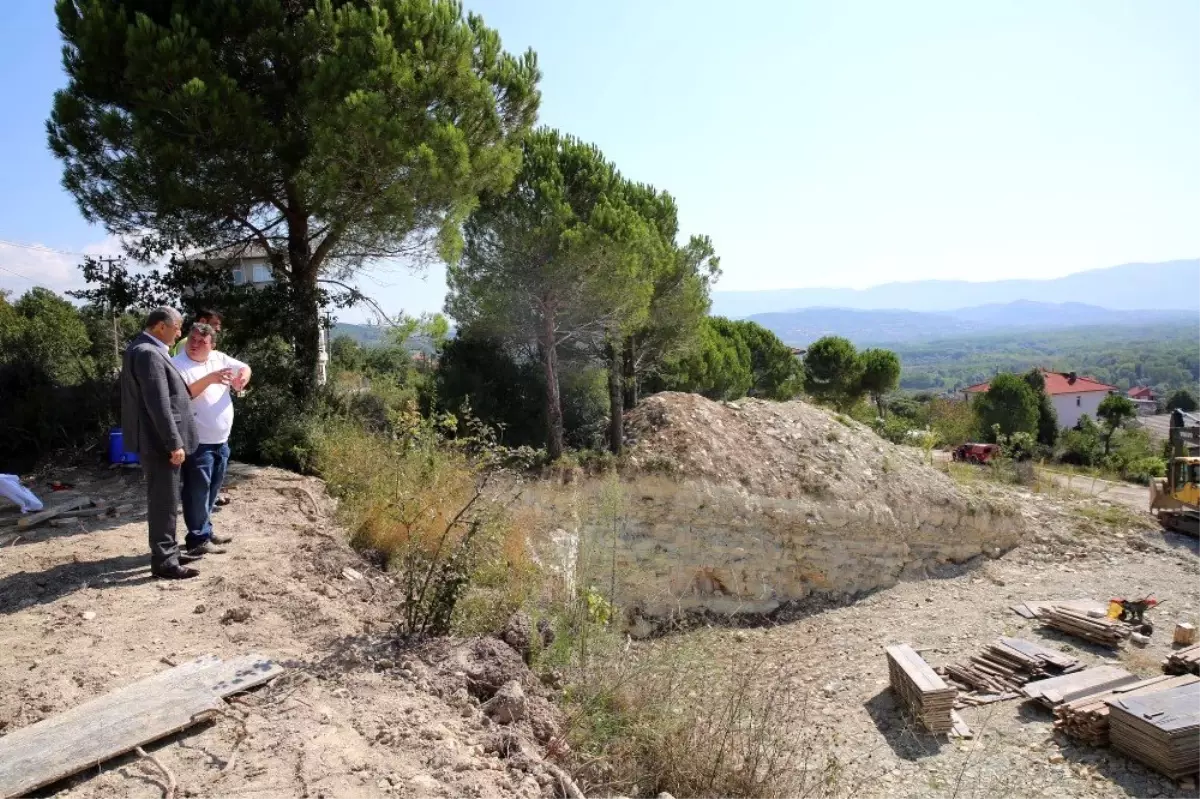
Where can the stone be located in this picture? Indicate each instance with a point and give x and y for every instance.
(201, 608)
(1056, 758)
(508, 705)
(518, 633)
(236, 616)
(351, 574)
(88, 615)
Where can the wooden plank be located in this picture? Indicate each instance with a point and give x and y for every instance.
(37, 518)
(96, 731)
(1023, 611)
(122, 720)
(960, 727)
(1078, 683)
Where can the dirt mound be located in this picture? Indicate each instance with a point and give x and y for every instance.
(745, 508)
(776, 449)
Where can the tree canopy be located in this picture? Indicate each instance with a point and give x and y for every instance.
(1182, 400)
(880, 374)
(833, 371)
(1115, 411)
(1009, 406)
(324, 134)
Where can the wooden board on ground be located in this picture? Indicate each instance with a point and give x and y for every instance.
(1086, 719)
(920, 689)
(123, 720)
(1035, 608)
(1160, 729)
(33, 519)
(1067, 688)
(960, 728)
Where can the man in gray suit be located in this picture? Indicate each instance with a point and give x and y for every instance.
(157, 424)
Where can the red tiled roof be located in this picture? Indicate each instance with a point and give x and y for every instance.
(1142, 392)
(1057, 383)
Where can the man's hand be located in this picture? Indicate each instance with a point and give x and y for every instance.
(177, 457)
(241, 379)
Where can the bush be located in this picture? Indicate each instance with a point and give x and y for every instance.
(954, 421)
(426, 503)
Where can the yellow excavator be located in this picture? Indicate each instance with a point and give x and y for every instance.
(1176, 497)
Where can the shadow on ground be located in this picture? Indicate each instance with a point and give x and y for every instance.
(26, 588)
(908, 740)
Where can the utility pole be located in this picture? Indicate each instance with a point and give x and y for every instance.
(116, 328)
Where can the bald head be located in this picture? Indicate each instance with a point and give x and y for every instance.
(164, 323)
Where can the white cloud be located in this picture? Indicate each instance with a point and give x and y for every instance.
(25, 265)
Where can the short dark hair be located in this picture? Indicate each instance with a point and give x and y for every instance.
(162, 313)
(208, 313)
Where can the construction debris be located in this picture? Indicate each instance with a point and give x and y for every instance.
(921, 690)
(1057, 690)
(1183, 661)
(61, 509)
(1007, 664)
(1160, 729)
(1086, 719)
(1106, 631)
(1185, 634)
(1035, 609)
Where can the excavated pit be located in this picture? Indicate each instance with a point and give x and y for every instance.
(753, 510)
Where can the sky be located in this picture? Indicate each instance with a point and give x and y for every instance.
(842, 144)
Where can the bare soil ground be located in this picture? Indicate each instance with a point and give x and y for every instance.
(357, 718)
(350, 719)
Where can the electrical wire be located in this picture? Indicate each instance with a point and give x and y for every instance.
(39, 248)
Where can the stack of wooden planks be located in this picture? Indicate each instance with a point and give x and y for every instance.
(1000, 670)
(1069, 687)
(1183, 661)
(1161, 729)
(920, 689)
(1086, 719)
(1098, 630)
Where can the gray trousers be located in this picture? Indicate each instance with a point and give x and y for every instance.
(162, 508)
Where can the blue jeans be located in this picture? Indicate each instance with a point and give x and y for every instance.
(203, 474)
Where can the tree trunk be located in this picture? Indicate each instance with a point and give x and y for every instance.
(630, 375)
(306, 309)
(554, 418)
(879, 405)
(616, 401)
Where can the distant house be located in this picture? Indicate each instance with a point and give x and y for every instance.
(1071, 395)
(249, 266)
(1143, 397)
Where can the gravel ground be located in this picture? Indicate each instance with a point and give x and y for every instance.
(851, 713)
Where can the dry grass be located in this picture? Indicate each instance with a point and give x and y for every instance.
(424, 505)
(667, 717)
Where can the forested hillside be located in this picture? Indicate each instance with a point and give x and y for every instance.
(1166, 356)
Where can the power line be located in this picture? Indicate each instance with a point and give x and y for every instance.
(40, 248)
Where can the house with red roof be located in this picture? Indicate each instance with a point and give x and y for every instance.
(1143, 397)
(1072, 395)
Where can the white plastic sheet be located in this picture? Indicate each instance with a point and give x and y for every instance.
(12, 490)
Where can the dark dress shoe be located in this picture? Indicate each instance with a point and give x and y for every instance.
(220, 539)
(174, 573)
(184, 557)
(207, 548)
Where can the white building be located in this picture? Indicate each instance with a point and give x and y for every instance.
(250, 266)
(1071, 395)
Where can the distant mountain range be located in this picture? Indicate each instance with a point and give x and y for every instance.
(1171, 285)
(801, 327)
(375, 335)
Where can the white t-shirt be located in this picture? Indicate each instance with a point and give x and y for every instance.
(213, 409)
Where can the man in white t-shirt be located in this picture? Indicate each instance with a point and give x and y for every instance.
(210, 375)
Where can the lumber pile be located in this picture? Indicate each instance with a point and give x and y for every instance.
(1003, 667)
(1069, 687)
(1183, 661)
(926, 696)
(1160, 729)
(1106, 631)
(1086, 719)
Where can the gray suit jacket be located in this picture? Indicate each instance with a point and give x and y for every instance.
(156, 409)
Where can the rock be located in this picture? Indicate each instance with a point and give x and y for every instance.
(665, 795)
(351, 574)
(546, 631)
(88, 615)
(424, 785)
(201, 608)
(545, 718)
(1056, 758)
(507, 705)
(829, 689)
(486, 664)
(236, 616)
(518, 633)
(1139, 639)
